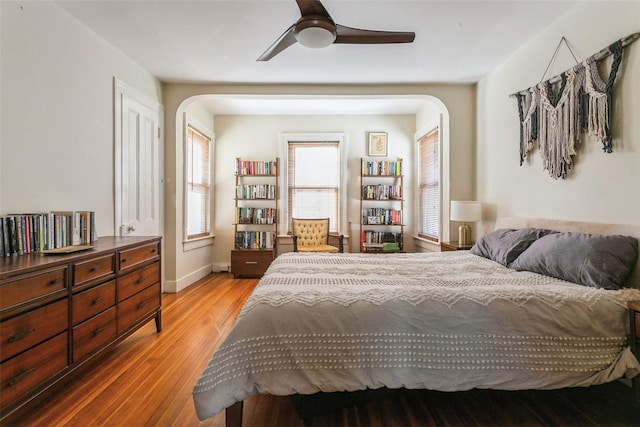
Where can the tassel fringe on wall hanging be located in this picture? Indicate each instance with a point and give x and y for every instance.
(556, 118)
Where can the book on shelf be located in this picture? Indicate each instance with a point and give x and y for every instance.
(255, 167)
(254, 240)
(22, 234)
(382, 168)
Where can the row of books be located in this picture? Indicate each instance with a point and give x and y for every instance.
(381, 216)
(381, 192)
(380, 247)
(23, 234)
(256, 167)
(245, 215)
(255, 239)
(368, 237)
(382, 168)
(256, 191)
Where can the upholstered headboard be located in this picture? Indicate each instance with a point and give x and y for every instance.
(576, 226)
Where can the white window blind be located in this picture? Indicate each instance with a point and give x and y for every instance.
(313, 182)
(198, 184)
(429, 185)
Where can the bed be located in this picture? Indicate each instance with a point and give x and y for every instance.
(446, 321)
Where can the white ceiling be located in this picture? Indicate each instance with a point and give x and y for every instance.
(218, 41)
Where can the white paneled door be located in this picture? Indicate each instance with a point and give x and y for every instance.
(137, 157)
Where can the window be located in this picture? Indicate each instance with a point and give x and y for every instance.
(429, 185)
(198, 184)
(313, 181)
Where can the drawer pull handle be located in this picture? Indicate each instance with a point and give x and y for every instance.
(153, 251)
(20, 335)
(22, 376)
(251, 262)
(96, 301)
(98, 331)
(126, 259)
(140, 280)
(94, 269)
(53, 282)
(142, 304)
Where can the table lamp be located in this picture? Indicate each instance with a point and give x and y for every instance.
(465, 211)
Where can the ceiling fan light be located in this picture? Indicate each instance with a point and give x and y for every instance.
(315, 37)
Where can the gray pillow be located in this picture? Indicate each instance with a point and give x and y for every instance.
(587, 259)
(506, 244)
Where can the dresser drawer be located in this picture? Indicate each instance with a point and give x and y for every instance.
(130, 258)
(93, 334)
(32, 368)
(131, 310)
(250, 263)
(93, 269)
(33, 327)
(89, 303)
(138, 280)
(34, 286)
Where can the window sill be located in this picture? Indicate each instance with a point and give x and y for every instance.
(200, 242)
(423, 244)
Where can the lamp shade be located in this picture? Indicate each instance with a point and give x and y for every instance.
(465, 211)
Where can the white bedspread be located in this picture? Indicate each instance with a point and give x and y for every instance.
(445, 321)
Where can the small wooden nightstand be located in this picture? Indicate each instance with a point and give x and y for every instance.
(634, 338)
(453, 246)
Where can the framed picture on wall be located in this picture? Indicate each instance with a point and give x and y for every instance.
(377, 144)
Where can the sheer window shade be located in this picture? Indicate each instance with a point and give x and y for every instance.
(429, 185)
(313, 182)
(198, 184)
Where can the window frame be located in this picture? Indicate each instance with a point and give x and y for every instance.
(284, 218)
(192, 242)
(427, 130)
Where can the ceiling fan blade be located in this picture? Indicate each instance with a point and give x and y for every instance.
(312, 7)
(284, 41)
(357, 36)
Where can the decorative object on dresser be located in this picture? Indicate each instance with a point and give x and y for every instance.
(256, 217)
(381, 224)
(58, 312)
(312, 235)
(465, 211)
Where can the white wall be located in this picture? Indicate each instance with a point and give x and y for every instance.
(56, 112)
(602, 187)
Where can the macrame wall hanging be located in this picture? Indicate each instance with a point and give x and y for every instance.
(554, 113)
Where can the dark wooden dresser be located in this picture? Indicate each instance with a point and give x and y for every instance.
(57, 312)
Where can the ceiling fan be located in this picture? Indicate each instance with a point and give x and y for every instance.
(316, 29)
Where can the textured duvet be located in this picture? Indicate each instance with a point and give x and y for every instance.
(445, 321)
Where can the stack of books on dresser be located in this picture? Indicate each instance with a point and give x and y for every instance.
(22, 234)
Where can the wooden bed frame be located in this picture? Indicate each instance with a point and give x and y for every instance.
(233, 414)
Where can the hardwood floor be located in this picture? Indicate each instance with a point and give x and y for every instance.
(147, 381)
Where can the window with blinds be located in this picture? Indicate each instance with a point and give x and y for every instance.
(313, 182)
(198, 178)
(429, 185)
